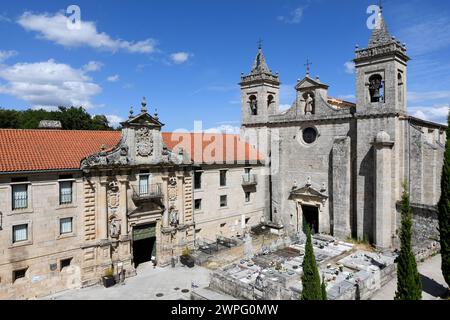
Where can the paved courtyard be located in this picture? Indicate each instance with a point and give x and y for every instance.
(149, 284)
(433, 283)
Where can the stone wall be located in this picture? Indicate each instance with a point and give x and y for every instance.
(425, 231)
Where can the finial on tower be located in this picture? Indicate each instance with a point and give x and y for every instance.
(131, 112)
(156, 114)
(260, 43)
(308, 65)
(144, 105)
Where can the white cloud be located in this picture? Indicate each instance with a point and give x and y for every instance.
(179, 57)
(224, 128)
(93, 66)
(54, 28)
(437, 113)
(414, 96)
(349, 67)
(114, 120)
(113, 78)
(429, 34)
(294, 17)
(7, 54)
(48, 84)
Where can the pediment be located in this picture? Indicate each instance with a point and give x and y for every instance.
(143, 119)
(308, 83)
(307, 191)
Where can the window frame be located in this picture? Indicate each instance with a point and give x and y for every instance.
(200, 182)
(224, 196)
(61, 182)
(195, 204)
(13, 199)
(60, 226)
(27, 239)
(223, 175)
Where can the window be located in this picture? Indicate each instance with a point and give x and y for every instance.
(198, 204)
(18, 274)
(197, 180)
(65, 225)
(143, 184)
(20, 196)
(270, 100)
(309, 135)
(223, 201)
(20, 233)
(247, 196)
(65, 192)
(65, 263)
(400, 87)
(223, 178)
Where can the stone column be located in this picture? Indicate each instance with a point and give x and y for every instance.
(123, 205)
(341, 184)
(180, 198)
(165, 219)
(102, 209)
(383, 190)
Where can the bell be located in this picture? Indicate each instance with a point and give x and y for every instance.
(376, 94)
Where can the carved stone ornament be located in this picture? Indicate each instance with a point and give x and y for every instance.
(144, 142)
(113, 197)
(116, 157)
(172, 193)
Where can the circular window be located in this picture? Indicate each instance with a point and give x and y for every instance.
(309, 135)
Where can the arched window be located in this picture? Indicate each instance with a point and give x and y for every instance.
(253, 105)
(400, 87)
(270, 100)
(376, 89)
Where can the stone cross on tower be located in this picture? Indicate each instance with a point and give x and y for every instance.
(308, 65)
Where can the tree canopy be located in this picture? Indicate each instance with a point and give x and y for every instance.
(71, 119)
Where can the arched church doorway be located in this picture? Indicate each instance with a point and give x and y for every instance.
(144, 243)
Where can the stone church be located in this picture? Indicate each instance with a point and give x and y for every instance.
(340, 166)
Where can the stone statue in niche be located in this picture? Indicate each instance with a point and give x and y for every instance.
(309, 104)
(144, 142)
(114, 228)
(173, 217)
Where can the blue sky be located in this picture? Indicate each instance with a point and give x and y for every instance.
(186, 56)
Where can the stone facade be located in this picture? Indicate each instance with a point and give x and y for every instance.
(341, 166)
(131, 202)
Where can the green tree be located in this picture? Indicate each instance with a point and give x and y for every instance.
(71, 119)
(310, 278)
(444, 211)
(409, 286)
(324, 289)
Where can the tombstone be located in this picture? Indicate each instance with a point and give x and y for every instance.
(301, 237)
(248, 246)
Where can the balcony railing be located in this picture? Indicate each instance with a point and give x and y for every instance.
(249, 179)
(150, 192)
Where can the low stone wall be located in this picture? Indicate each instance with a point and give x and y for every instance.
(425, 236)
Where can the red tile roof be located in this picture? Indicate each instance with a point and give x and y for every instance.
(216, 147)
(39, 150)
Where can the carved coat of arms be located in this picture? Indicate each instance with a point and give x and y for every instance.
(144, 142)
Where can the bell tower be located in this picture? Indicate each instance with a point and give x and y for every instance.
(381, 73)
(260, 92)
